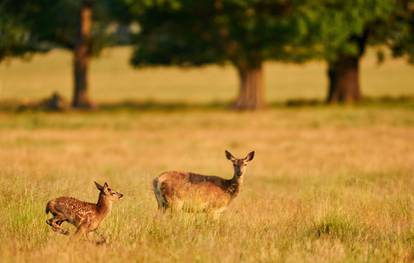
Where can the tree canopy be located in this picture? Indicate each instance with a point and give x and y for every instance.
(402, 30)
(343, 31)
(344, 24)
(244, 33)
(14, 29)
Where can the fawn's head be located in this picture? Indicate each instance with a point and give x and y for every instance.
(239, 165)
(108, 192)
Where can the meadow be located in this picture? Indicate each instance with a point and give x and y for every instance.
(328, 183)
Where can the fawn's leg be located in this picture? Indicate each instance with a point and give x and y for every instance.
(81, 231)
(55, 223)
(101, 238)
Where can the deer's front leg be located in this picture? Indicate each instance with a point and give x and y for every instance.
(82, 230)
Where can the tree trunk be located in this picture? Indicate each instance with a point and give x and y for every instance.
(344, 80)
(251, 94)
(81, 55)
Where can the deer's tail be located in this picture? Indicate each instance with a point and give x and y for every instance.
(47, 210)
(157, 187)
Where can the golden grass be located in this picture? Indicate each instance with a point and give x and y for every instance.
(328, 184)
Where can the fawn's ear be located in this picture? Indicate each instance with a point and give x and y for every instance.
(249, 157)
(105, 185)
(99, 187)
(229, 156)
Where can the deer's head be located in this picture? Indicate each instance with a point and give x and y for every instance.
(239, 165)
(108, 192)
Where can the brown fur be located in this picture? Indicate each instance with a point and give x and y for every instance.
(185, 190)
(86, 217)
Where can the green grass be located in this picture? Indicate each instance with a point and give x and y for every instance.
(328, 183)
(113, 80)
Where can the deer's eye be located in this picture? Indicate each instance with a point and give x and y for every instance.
(109, 189)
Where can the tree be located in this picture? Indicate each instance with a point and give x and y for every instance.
(344, 30)
(69, 24)
(90, 39)
(80, 26)
(81, 55)
(195, 33)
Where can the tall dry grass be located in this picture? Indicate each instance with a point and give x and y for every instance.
(328, 184)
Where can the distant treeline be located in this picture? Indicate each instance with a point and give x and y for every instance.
(244, 33)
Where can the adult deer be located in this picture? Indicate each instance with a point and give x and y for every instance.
(192, 192)
(86, 217)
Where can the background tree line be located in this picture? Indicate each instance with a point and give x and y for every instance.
(243, 33)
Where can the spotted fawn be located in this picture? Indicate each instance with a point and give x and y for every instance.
(85, 216)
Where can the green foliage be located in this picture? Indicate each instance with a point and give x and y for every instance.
(56, 23)
(345, 28)
(193, 33)
(32, 26)
(13, 31)
(402, 36)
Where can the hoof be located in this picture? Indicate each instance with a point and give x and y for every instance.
(103, 241)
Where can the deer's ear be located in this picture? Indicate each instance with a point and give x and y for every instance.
(105, 185)
(229, 156)
(249, 157)
(98, 186)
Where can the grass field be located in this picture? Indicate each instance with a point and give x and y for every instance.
(328, 183)
(112, 80)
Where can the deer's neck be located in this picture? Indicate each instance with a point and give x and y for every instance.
(234, 185)
(103, 206)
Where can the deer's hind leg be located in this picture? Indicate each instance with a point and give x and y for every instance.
(100, 238)
(55, 222)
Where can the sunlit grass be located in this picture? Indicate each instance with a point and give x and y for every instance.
(112, 79)
(328, 183)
